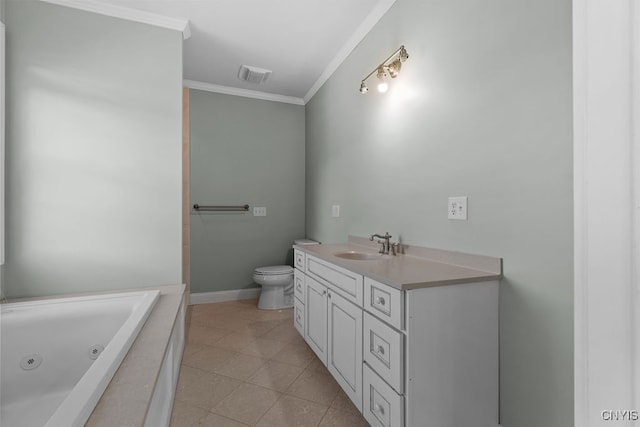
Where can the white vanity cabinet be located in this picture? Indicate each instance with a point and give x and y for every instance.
(406, 357)
(315, 328)
(344, 345)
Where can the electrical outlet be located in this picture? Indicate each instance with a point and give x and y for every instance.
(457, 208)
(335, 211)
(260, 211)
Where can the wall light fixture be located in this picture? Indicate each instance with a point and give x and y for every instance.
(390, 67)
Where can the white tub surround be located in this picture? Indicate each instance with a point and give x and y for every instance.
(131, 382)
(58, 355)
(411, 338)
(142, 390)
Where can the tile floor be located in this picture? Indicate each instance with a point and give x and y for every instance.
(248, 367)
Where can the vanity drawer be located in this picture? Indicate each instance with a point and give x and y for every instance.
(384, 302)
(298, 284)
(346, 282)
(298, 316)
(298, 259)
(383, 349)
(381, 406)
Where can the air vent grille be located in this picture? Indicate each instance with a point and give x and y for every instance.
(252, 74)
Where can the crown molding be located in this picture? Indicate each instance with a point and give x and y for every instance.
(228, 90)
(359, 34)
(95, 6)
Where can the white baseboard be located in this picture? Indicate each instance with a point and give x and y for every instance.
(221, 296)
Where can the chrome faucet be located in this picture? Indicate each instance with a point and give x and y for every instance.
(386, 245)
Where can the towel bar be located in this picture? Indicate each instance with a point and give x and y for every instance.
(242, 208)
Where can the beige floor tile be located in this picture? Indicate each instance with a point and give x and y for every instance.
(275, 375)
(335, 418)
(214, 420)
(185, 414)
(316, 365)
(286, 314)
(344, 404)
(262, 347)
(297, 354)
(214, 365)
(203, 389)
(290, 411)
(209, 358)
(285, 331)
(235, 341)
(247, 404)
(240, 366)
(190, 349)
(199, 334)
(316, 386)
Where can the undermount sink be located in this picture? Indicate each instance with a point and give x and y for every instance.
(359, 256)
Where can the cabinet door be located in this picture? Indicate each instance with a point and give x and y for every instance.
(344, 347)
(315, 308)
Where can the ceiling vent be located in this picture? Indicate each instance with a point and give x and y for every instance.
(253, 74)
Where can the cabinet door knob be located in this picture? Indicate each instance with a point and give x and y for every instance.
(380, 300)
(378, 408)
(380, 349)
(324, 292)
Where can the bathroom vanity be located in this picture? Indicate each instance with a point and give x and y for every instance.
(412, 339)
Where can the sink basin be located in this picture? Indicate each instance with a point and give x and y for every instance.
(359, 256)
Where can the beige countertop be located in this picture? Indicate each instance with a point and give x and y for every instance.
(416, 267)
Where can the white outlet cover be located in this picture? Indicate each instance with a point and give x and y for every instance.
(457, 208)
(260, 211)
(335, 211)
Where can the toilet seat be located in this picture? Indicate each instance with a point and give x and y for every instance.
(274, 270)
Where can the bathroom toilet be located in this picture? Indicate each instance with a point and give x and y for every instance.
(277, 283)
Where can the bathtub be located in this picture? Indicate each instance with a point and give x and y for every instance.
(57, 356)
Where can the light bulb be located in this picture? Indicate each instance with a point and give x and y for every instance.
(363, 88)
(383, 87)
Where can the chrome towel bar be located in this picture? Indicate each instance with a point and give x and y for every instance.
(242, 208)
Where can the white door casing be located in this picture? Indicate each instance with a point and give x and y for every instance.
(606, 50)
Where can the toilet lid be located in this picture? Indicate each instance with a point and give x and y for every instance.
(304, 242)
(274, 270)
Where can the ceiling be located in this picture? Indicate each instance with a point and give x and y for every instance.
(301, 41)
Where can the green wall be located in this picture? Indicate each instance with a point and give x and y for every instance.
(482, 108)
(93, 146)
(244, 151)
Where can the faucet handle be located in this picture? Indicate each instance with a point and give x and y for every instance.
(394, 248)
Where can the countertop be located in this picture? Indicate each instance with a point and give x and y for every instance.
(413, 268)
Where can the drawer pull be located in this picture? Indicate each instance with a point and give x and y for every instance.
(380, 300)
(379, 409)
(380, 350)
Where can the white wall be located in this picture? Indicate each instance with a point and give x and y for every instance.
(93, 152)
(482, 108)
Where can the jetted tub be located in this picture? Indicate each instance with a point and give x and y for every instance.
(57, 356)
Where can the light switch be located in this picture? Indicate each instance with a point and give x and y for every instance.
(260, 211)
(457, 208)
(335, 211)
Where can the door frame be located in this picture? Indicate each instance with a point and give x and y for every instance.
(606, 70)
(186, 208)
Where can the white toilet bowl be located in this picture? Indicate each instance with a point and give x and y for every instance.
(277, 286)
(277, 283)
